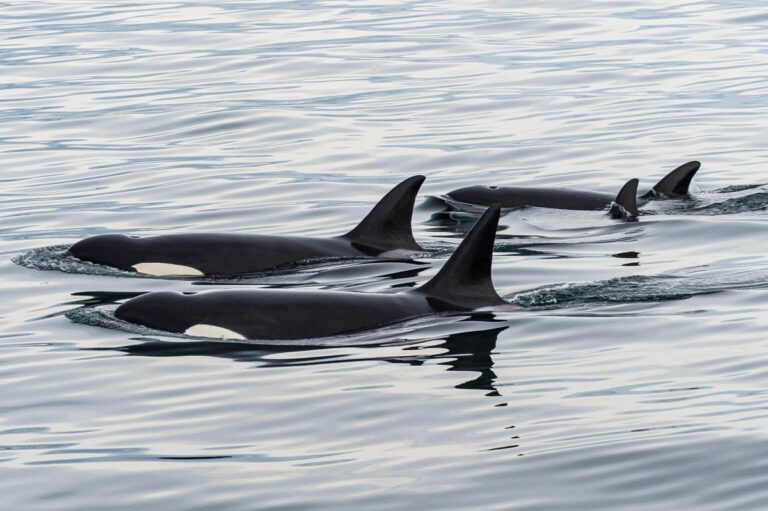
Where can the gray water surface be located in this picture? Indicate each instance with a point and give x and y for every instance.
(635, 375)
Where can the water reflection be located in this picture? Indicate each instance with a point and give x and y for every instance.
(101, 298)
(472, 352)
(457, 222)
(465, 351)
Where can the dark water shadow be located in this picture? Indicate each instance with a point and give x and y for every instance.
(468, 350)
(472, 352)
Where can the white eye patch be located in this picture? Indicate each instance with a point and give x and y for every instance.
(167, 270)
(212, 331)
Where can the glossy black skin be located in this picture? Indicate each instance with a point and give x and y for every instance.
(519, 196)
(463, 284)
(272, 314)
(214, 254)
(384, 232)
(673, 185)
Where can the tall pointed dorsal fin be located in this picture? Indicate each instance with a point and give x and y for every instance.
(625, 204)
(465, 279)
(388, 225)
(675, 183)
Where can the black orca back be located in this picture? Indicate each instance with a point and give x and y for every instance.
(463, 284)
(387, 228)
(520, 196)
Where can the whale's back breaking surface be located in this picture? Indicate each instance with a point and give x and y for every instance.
(518, 196)
(270, 314)
(197, 254)
(463, 284)
(385, 230)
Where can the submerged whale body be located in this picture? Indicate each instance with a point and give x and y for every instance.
(463, 284)
(675, 184)
(384, 232)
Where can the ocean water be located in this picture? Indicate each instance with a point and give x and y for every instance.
(635, 375)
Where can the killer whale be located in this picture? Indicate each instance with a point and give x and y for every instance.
(384, 232)
(624, 204)
(463, 284)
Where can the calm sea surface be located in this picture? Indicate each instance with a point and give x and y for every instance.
(635, 376)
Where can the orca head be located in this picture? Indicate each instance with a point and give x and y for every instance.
(482, 195)
(116, 250)
(164, 310)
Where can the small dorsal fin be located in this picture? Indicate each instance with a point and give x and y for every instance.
(676, 183)
(625, 204)
(465, 279)
(388, 225)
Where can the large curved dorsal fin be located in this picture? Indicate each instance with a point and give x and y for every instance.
(465, 279)
(388, 225)
(625, 203)
(676, 183)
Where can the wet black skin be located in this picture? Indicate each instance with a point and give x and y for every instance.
(271, 314)
(519, 196)
(463, 284)
(385, 231)
(212, 253)
(673, 185)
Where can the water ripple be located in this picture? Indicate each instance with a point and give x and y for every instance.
(633, 376)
